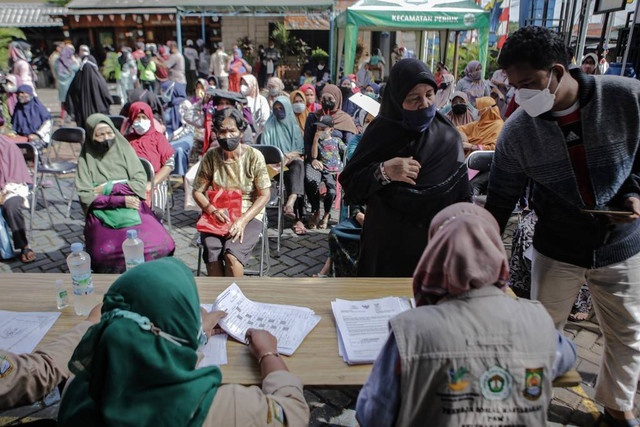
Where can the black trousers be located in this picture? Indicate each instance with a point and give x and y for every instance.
(12, 213)
(312, 180)
(294, 184)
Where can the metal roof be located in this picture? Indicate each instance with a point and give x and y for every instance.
(210, 6)
(29, 15)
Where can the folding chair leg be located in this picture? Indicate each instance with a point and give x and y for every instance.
(280, 225)
(73, 193)
(199, 261)
(167, 212)
(264, 239)
(59, 187)
(32, 211)
(267, 253)
(46, 207)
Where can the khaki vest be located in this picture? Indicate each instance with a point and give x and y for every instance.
(482, 359)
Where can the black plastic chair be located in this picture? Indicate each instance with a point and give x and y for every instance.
(118, 121)
(480, 161)
(69, 135)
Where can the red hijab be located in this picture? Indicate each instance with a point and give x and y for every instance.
(153, 145)
(312, 108)
(465, 252)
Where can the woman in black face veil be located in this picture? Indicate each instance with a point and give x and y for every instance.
(408, 166)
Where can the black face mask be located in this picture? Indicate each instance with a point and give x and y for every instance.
(443, 86)
(459, 109)
(103, 146)
(346, 92)
(328, 105)
(229, 144)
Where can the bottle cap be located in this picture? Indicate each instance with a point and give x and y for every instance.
(132, 234)
(77, 247)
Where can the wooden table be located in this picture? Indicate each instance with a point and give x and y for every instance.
(316, 362)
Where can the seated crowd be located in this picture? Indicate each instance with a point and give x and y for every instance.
(404, 212)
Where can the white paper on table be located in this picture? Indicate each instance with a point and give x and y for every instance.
(20, 332)
(363, 326)
(215, 352)
(341, 351)
(289, 324)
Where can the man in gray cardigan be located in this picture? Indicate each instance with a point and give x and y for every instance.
(576, 138)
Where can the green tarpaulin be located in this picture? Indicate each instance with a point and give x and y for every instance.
(411, 15)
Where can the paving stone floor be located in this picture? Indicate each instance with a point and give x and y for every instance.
(299, 256)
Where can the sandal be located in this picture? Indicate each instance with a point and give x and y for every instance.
(325, 223)
(579, 316)
(287, 212)
(27, 255)
(313, 221)
(299, 228)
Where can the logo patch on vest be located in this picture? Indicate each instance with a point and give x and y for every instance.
(496, 383)
(5, 367)
(275, 413)
(533, 383)
(457, 378)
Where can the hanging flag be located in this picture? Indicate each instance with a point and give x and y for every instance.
(503, 27)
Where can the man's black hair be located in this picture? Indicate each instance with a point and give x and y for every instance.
(221, 115)
(537, 46)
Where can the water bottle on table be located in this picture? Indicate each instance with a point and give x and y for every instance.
(133, 249)
(62, 297)
(79, 263)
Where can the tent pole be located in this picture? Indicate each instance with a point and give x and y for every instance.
(204, 33)
(630, 38)
(332, 40)
(179, 30)
(584, 23)
(455, 56)
(443, 54)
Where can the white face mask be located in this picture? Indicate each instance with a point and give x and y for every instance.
(274, 91)
(320, 67)
(244, 89)
(535, 101)
(141, 126)
(299, 107)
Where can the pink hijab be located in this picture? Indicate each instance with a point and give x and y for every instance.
(465, 252)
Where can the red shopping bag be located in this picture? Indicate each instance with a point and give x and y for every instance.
(229, 200)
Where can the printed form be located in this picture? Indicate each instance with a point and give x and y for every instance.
(363, 326)
(21, 332)
(289, 324)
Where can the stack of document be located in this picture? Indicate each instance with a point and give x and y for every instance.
(289, 324)
(363, 326)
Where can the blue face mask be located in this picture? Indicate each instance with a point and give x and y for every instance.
(280, 114)
(418, 120)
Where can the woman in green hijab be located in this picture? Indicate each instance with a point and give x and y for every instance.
(283, 131)
(111, 182)
(137, 366)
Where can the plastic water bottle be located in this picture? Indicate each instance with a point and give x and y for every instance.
(62, 297)
(133, 249)
(79, 263)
